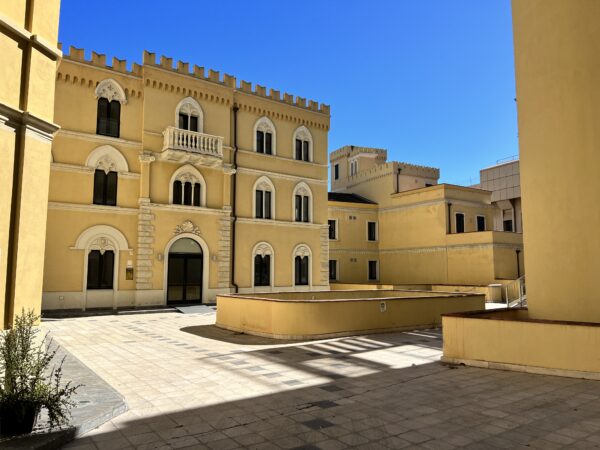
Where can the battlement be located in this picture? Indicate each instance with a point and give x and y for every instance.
(213, 76)
(352, 150)
(417, 170)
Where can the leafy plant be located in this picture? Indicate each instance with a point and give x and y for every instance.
(27, 376)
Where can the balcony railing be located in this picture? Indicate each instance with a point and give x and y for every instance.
(193, 142)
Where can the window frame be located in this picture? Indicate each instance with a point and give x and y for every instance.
(335, 229)
(477, 217)
(376, 261)
(102, 271)
(303, 135)
(265, 126)
(376, 229)
(337, 270)
(104, 199)
(456, 214)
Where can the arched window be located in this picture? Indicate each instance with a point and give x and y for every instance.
(263, 264)
(110, 97)
(302, 203)
(106, 161)
(188, 187)
(264, 199)
(189, 115)
(303, 144)
(302, 256)
(265, 137)
(102, 244)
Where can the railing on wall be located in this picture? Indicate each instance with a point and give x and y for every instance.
(515, 293)
(192, 141)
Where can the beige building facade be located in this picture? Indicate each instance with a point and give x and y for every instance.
(28, 45)
(171, 185)
(392, 223)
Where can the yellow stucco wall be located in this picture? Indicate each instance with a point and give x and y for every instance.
(28, 34)
(558, 94)
(300, 319)
(144, 214)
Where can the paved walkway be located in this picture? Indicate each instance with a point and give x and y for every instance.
(190, 385)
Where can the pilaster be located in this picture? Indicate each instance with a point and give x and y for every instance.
(324, 238)
(224, 263)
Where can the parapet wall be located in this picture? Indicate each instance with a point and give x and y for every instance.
(198, 72)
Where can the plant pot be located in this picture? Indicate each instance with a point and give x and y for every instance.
(18, 417)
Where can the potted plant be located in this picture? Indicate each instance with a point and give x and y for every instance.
(28, 382)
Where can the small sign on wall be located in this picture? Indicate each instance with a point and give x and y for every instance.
(382, 307)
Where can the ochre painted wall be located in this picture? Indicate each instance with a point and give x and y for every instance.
(558, 97)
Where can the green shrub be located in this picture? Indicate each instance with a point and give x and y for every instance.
(27, 375)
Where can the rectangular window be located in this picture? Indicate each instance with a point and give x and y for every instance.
(480, 223)
(187, 193)
(336, 172)
(105, 188)
(260, 141)
(301, 268)
(332, 229)
(305, 201)
(193, 123)
(508, 225)
(305, 151)
(298, 208)
(333, 270)
(259, 204)
(298, 149)
(197, 194)
(183, 121)
(100, 269)
(373, 270)
(268, 143)
(108, 117)
(262, 270)
(267, 205)
(460, 223)
(372, 231)
(177, 193)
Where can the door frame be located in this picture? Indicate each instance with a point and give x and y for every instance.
(205, 262)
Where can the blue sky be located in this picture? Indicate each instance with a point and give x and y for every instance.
(432, 81)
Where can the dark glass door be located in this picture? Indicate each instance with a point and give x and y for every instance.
(184, 278)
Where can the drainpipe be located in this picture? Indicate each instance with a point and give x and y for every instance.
(517, 251)
(233, 201)
(449, 218)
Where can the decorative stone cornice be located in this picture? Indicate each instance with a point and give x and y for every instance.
(187, 227)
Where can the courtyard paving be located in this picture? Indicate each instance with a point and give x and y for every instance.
(191, 385)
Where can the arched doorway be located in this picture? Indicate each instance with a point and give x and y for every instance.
(184, 277)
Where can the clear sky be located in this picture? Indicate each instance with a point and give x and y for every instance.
(432, 81)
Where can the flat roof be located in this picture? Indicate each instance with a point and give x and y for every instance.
(348, 198)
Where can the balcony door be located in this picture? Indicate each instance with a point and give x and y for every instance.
(184, 276)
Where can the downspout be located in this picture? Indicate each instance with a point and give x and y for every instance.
(233, 200)
(449, 218)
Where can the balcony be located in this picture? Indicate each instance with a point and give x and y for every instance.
(185, 145)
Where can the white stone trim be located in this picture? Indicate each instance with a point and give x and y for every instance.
(282, 223)
(73, 168)
(302, 250)
(264, 248)
(303, 134)
(107, 158)
(188, 209)
(87, 208)
(101, 237)
(98, 138)
(302, 188)
(283, 176)
(191, 107)
(264, 184)
(205, 263)
(110, 90)
(266, 125)
(184, 174)
(252, 152)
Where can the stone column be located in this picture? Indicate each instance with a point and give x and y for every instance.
(145, 242)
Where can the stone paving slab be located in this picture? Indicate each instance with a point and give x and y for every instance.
(191, 386)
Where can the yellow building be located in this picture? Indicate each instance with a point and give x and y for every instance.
(171, 186)
(558, 97)
(28, 46)
(392, 223)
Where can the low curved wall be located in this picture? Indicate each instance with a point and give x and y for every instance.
(312, 315)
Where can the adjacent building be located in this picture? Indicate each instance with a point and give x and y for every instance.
(392, 223)
(170, 184)
(28, 45)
